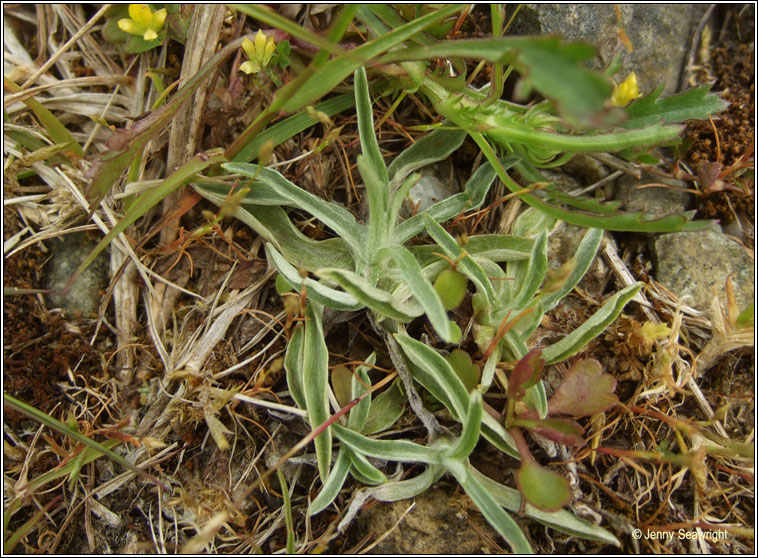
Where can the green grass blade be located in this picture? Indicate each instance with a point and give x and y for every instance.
(58, 426)
(287, 513)
(269, 16)
(337, 69)
(590, 329)
(57, 131)
(291, 126)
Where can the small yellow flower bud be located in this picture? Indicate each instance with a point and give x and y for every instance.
(259, 53)
(626, 92)
(143, 21)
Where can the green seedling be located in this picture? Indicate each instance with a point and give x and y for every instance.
(451, 287)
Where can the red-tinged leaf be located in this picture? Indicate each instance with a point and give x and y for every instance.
(543, 488)
(585, 391)
(562, 431)
(527, 373)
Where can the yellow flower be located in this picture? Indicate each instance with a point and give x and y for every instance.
(259, 53)
(626, 92)
(143, 21)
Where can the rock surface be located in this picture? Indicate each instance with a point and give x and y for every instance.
(437, 524)
(696, 263)
(655, 200)
(84, 295)
(659, 34)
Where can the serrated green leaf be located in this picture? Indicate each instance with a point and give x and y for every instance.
(696, 103)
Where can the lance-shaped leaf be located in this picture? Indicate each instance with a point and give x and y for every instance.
(526, 374)
(274, 226)
(435, 146)
(584, 391)
(590, 329)
(471, 428)
(391, 450)
(293, 360)
(316, 291)
(339, 219)
(333, 484)
(378, 300)
(315, 368)
(386, 409)
(465, 262)
(421, 288)
(490, 508)
(363, 470)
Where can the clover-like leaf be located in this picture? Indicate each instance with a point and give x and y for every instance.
(562, 431)
(584, 391)
(466, 370)
(527, 373)
(543, 488)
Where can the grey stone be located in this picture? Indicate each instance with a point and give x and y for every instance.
(654, 200)
(697, 263)
(69, 251)
(660, 34)
(433, 186)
